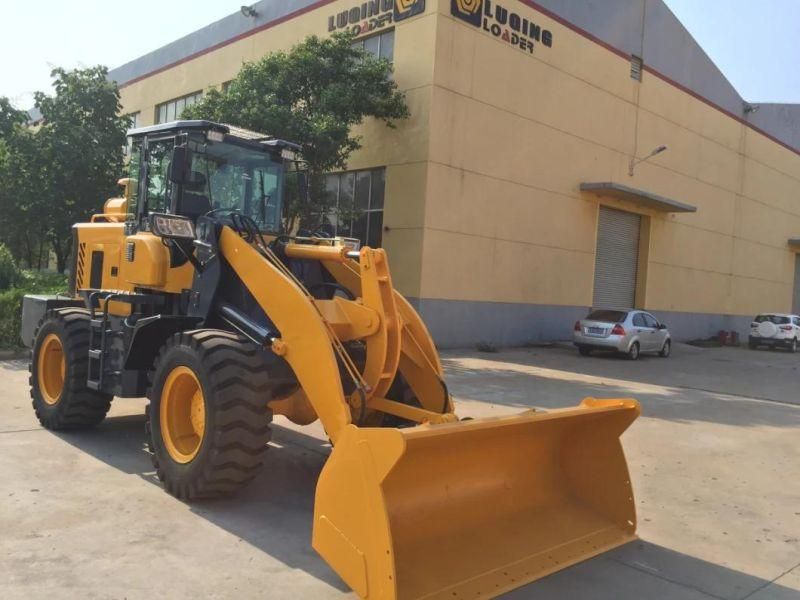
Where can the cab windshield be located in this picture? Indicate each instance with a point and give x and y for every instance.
(226, 177)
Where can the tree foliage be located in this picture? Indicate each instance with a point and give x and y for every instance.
(22, 227)
(9, 271)
(312, 95)
(63, 171)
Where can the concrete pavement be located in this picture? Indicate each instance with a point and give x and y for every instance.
(714, 473)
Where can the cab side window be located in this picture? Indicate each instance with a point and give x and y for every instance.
(134, 157)
(638, 320)
(159, 154)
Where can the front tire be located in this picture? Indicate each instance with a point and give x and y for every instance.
(793, 346)
(666, 349)
(208, 420)
(633, 351)
(58, 369)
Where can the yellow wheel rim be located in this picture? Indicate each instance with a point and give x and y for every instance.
(182, 414)
(52, 368)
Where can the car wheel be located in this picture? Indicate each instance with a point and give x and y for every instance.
(752, 346)
(793, 347)
(633, 353)
(584, 350)
(664, 353)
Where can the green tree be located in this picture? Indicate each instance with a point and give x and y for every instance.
(10, 118)
(312, 95)
(80, 150)
(22, 227)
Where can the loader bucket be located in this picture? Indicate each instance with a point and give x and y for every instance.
(475, 508)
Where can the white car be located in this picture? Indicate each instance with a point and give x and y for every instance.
(775, 330)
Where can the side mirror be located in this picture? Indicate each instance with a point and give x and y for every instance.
(662, 326)
(179, 165)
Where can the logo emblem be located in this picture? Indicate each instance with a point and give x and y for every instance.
(407, 8)
(467, 10)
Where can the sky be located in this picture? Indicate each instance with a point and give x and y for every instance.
(42, 34)
(756, 43)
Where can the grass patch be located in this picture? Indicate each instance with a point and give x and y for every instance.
(29, 282)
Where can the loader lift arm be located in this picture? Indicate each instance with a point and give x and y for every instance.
(309, 332)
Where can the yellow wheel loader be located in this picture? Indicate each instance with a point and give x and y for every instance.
(186, 291)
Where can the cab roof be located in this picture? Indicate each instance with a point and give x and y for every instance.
(240, 133)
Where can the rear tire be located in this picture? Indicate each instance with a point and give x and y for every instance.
(633, 352)
(665, 350)
(208, 420)
(584, 350)
(752, 346)
(58, 369)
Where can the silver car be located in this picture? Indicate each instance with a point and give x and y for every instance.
(630, 332)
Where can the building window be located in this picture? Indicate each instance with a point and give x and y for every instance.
(225, 85)
(354, 202)
(171, 111)
(380, 45)
(134, 119)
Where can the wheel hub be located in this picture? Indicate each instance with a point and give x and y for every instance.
(52, 368)
(182, 414)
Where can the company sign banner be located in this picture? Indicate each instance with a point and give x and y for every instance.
(504, 24)
(374, 14)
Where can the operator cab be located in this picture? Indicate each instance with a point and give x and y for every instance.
(193, 168)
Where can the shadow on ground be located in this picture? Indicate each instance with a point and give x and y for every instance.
(275, 515)
(641, 570)
(762, 374)
(17, 364)
(519, 380)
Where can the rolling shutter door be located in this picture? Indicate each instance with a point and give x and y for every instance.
(617, 259)
(796, 295)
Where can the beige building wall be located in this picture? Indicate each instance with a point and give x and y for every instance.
(403, 150)
(485, 224)
(513, 135)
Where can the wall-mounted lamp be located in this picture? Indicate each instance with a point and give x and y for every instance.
(750, 108)
(249, 11)
(635, 161)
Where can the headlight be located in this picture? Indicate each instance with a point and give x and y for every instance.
(171, 226)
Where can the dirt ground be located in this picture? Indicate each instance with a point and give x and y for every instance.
(714, 459)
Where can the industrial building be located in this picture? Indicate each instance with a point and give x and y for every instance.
(531, 181)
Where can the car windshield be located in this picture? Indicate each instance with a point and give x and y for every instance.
(234, 177)
(777, 319)
(609, 316)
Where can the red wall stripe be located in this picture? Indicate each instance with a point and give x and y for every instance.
(658, 74)
(241, 36)
(529, 3)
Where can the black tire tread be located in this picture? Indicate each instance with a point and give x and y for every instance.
(79, 407)
(240, 388)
